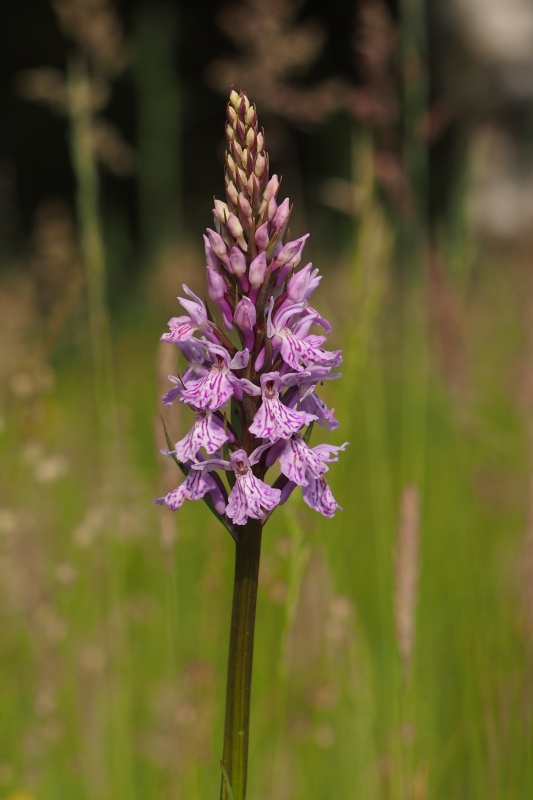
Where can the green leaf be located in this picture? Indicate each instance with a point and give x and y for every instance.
(309, 431)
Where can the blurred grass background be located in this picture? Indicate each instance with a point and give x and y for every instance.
(394, 654)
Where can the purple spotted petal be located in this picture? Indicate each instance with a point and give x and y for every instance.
(181, 329)
(299, 462)
(318, 496)
(211, 392)
(274, 420)
(207, 432)
(329, 452)
(214, 389)
(295, 345)
(315, 405)
(195, 486)
(308, 351)
(250, 498)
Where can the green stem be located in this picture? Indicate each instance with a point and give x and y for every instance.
(241, 650)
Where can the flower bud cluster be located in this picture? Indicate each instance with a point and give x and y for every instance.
(251, 379)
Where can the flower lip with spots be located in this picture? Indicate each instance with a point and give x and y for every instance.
(274, 420)
(250, 498)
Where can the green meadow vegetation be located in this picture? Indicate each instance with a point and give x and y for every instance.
(115, 612)
(394, 643)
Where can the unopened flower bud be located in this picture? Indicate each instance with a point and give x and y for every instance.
(260, 164)
(257, 271)
(237, 261)
(237, 151)
(216, 286)
(234, 226)
(250, 138)
(245, 317)
(262, 236)
(221, 210)
(253, 189)
(211, 257)
(245, 206)
(291, 253)
(271, 189)
(232, 193)
(282, 214)
(217, 243)
(231, 166)
(241, 178)
(252, 185)
(250, 116)
(240, 131)
(271, 209)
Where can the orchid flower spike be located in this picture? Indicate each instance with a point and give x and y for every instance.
(254, 359)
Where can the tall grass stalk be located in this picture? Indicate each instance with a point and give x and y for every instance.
(405, 600)
(406, 584)
(159, 126)
(112, 564)
(299, 558)
(92, 251)
(414, 243)
(369, 260)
